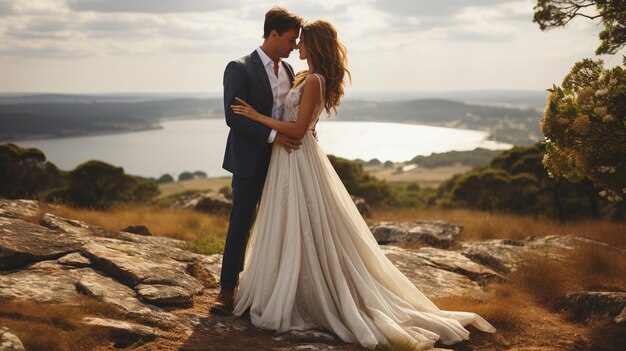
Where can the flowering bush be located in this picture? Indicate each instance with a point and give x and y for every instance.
(585, 127)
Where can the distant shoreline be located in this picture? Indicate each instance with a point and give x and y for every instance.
(177, 118)
(83, 134)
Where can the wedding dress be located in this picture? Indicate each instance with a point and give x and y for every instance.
(313, 262)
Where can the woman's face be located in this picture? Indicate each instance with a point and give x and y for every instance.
(301, 47)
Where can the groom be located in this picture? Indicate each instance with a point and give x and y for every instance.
(262, 80)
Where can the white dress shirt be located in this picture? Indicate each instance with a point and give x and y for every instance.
(280, 84)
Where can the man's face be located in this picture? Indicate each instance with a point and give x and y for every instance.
(286, 42)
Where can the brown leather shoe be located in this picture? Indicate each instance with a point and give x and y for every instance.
(223, 304)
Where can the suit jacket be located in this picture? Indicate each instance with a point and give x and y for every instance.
(247, 79)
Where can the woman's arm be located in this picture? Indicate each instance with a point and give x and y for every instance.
(310, 99)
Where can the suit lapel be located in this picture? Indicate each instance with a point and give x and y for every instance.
(260, 70)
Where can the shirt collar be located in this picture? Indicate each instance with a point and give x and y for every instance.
(264, 58)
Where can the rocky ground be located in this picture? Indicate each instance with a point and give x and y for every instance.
(165, 292)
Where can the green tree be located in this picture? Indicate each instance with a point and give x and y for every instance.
(25, 172)
(558, 13)
(360, 183)
(166, 178)
(185, 176)
(95, 184)
(200, 174)
(584, 123)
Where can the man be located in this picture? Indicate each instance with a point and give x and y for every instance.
(262, 80)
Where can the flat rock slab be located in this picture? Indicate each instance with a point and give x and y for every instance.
(75, 259)
(86, 230)
(434, 233)
(431, 280)
(46, 281)
(122, 332)
(164, 294)
(137, 263)
(586, 303)
(110, 291)
(456, 262)
(9, 342)
(23, 242)
(21, 208)
(504, 256)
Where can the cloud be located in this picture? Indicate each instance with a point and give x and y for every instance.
(422, 9)
(6, 8)
(152, 6)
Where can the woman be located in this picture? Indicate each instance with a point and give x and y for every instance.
(313, 261)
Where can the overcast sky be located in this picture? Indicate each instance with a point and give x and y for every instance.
(96, 46)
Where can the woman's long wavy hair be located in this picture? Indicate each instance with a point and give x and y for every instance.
(328, 57)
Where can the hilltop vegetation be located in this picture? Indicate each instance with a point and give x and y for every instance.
(26, 174)
(48, 120)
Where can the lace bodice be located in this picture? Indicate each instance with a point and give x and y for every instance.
(292, 104)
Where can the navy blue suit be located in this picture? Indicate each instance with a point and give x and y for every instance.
(247, 155)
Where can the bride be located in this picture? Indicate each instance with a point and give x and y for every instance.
(313, 261)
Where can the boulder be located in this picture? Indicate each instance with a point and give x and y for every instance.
(430, 279)
(122, 332)
(205, 202)
(138, 229)
(8, 341)
(583, 304)
(434, 233)
(23, 242)
(164, 294)
(362, 206)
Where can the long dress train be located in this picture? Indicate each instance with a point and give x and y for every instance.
(313, 262)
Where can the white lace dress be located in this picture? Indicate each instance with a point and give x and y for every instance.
(313, 262)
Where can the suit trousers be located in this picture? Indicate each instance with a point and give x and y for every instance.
(246, 193)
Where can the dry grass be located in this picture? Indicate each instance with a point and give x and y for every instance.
(179, 224)
(47, 327)
(585, 269)
(206, 184)
(524, 310)
(485, 225)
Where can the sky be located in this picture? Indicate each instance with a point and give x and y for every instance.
(112, 46)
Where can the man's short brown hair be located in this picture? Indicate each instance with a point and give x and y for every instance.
(280, 20)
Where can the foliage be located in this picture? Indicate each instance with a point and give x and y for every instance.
(25, 173)
(227, 191)
(166, 178)
(100, 185)
(584, 122)
(185, 176)
(476, 157)
(199, 174)
(496, 189)
(360, 183)
(515, 181)
(558, 13)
